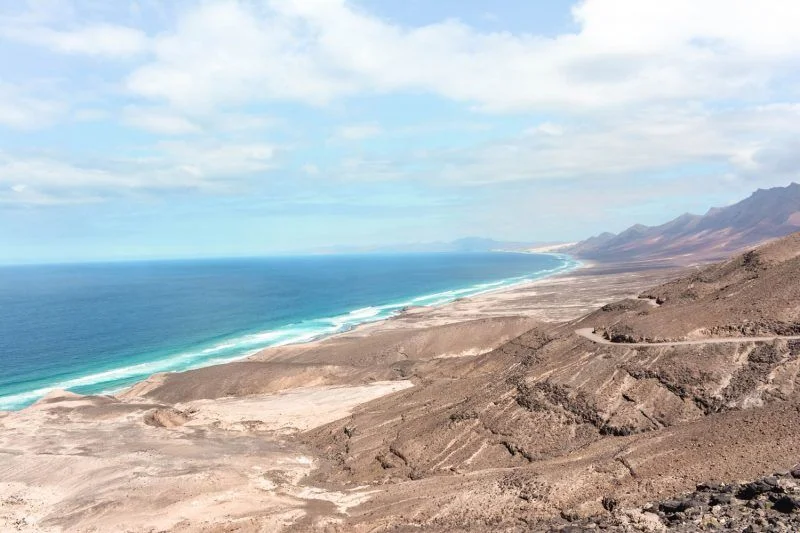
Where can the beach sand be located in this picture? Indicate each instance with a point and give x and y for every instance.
(224, 448)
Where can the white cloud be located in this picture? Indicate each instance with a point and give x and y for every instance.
(234, 161)
(627, 51)
(629, 92)
(27, 196)
(745, 143)
(23, 111)
(176, 165)
(241, 122)
(161, 121)
(165, 120)
(310, 169)
(101, 40)
(220, 54)
(358, 132)
(365, 169)
(34, 173)
(547, 128)
(230, 53)
(765, 28)
(30, 199)
(89, 115)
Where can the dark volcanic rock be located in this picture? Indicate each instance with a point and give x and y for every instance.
(677, 506)
(622, 305)
(751, 490)
(786, 504)
(671, 506)
(709, 487)
(721, 499)
(621, 334)
(768, 504)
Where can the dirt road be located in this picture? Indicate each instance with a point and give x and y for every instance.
(587, 333)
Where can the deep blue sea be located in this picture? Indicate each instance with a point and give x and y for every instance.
(94, 328)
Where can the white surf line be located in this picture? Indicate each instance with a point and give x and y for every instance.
(588, 333)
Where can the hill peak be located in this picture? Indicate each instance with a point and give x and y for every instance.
(765, 214)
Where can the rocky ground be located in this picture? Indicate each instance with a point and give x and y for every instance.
(771, 503)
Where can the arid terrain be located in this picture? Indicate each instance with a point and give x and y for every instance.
(596, 399)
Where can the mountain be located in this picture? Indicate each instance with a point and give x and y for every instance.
(751, 294)
(766, 214)
(466, 244)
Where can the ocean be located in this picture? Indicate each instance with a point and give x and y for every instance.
(98, 328)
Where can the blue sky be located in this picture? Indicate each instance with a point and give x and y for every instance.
(146, 128)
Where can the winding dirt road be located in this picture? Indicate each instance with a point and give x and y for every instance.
(587, 333)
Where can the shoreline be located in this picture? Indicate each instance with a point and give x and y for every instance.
(411, 311)
(370, 326)
(273, 413)
(468, 326)
(21, 400)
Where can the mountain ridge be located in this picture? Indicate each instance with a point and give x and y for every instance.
(722, 231)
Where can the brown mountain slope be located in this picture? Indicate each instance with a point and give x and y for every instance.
(551, 426)
(753, 294)
(766, 214)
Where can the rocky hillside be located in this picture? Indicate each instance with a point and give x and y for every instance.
(553, 429)
(753, 294)
(766, 214)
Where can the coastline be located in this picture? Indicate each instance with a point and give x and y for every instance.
(467, 326)
(406, 320)
(231, 440)
(287, 335)
(414, 312)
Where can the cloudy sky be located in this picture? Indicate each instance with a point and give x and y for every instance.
(153, 128)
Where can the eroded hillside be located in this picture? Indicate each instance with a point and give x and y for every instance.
(551, 425)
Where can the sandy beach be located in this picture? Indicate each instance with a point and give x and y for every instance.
(225, 448)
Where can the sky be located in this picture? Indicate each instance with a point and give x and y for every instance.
(154, 129)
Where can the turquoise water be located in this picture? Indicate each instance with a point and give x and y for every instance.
(97, 328)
